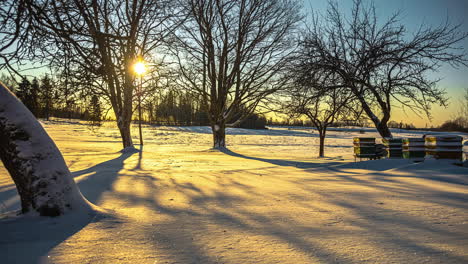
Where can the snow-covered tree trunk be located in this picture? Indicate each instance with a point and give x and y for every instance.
(41, 176)
(219, 135)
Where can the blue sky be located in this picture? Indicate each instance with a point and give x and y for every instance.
(415, 13)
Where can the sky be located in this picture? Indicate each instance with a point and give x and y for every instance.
(415, 13)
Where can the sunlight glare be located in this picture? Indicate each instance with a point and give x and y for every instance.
(139, 68)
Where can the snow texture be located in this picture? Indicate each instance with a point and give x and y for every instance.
(41, 168)
(268, 199)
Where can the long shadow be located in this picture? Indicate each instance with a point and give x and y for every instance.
(430, 175)
(459, 175)
(231, 217)
(228, 215)
(92, 187)
(103, 176)
(180, 239)
(279, 162)
(30, 239)
(140, 157)
(374, 165)
(39, 235)
(380, 223)
(245, 131)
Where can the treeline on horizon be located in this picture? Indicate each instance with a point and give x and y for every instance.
(49, 97)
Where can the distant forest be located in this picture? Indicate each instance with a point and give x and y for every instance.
(49, 97)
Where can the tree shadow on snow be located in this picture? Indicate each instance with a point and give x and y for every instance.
(27, 239)
(220, 212)
(379, 170)
(252, 132)
(35, 237)
(92, 187)
(280, 162)
(102, 177)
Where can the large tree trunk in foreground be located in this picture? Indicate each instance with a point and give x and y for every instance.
(37, 167)
(219, 136)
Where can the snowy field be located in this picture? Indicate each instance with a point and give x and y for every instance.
(269, 199)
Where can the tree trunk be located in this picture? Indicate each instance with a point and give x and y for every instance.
(383, 130)
(139, 120)
(380, 125)
(124, 127)
(219, 135)
(41, 176)
(47, 111)
(322, 144)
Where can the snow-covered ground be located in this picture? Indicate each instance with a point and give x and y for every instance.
(269, 199)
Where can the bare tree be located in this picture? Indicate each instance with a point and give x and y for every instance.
(379, 63)
(232, 53)
(321, 106)
(97, 42)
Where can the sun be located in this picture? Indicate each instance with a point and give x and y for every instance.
(139, 68)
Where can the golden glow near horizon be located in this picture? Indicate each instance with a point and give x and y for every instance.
(140, 68)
